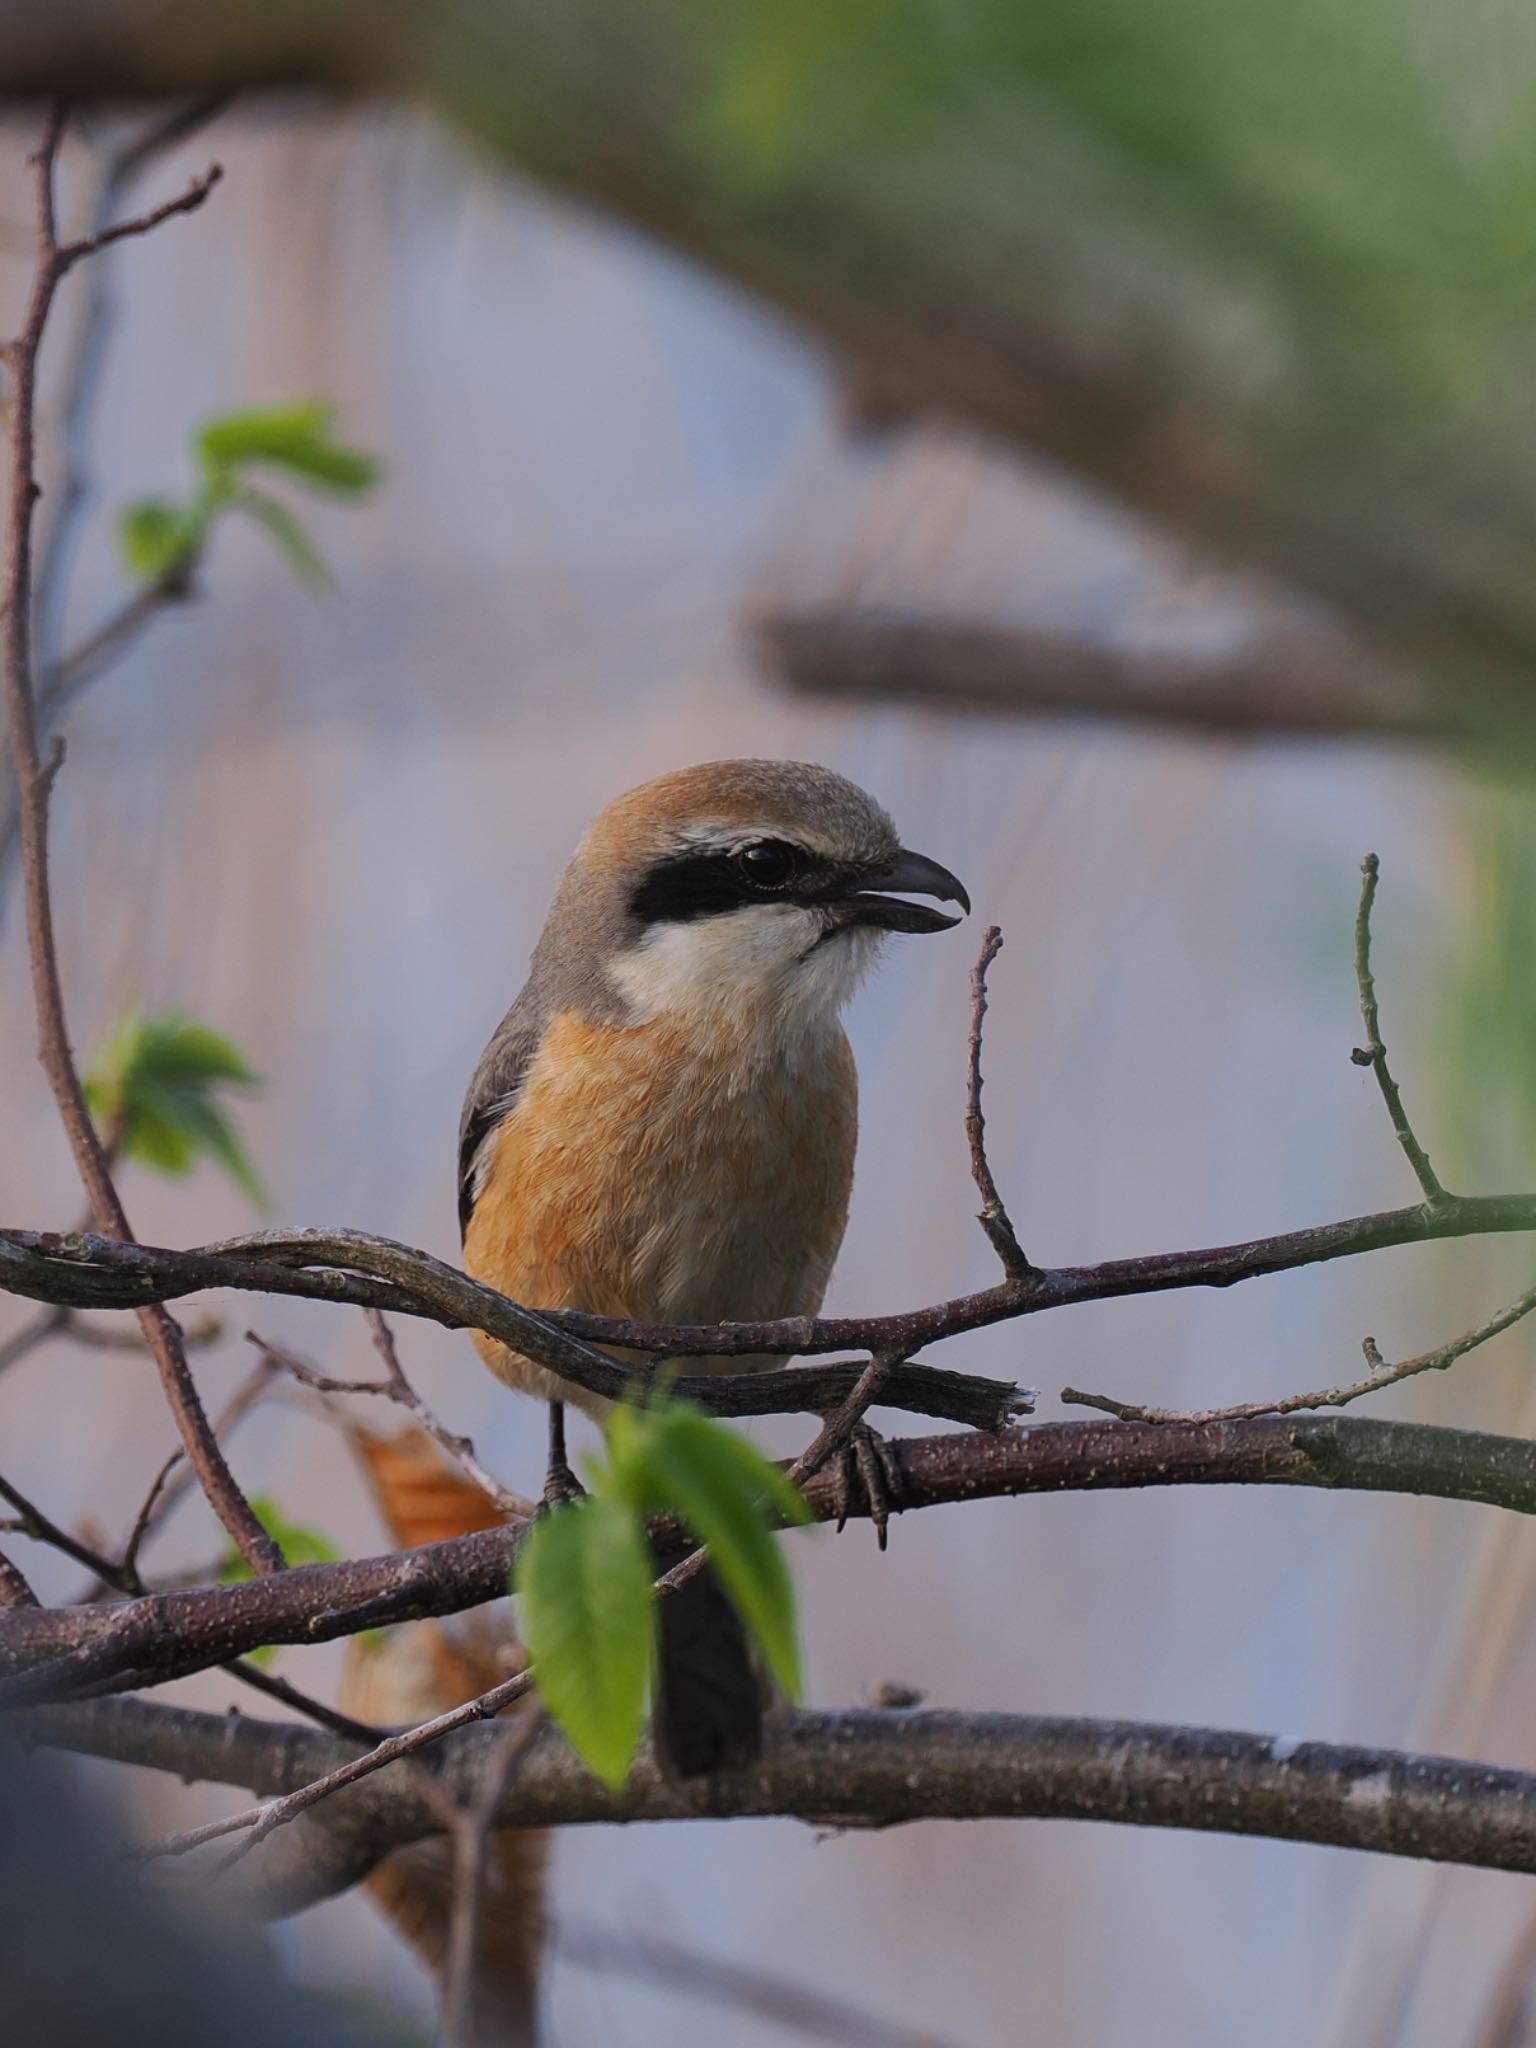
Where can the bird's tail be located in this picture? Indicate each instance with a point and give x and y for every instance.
(710, 1689)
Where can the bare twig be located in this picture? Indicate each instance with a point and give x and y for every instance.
(41, 1330)
(21, 356)
(175, 1477)
(120, 168)
(34, 1523)
(1373, 1053)
(304, 1703)
(397, 1387)
(779, 2000)
(994, 1218)
(70, 253)
(1381, 1375)
(473, 1828)
(261, 1820)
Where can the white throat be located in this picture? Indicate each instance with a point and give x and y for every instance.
(756, 976)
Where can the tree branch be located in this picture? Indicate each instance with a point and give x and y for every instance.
(880, 1765)
(340, 1265)
(1299, 679)
(56, 1653)
(33, 778)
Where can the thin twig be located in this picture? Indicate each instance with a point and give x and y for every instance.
(1373, 1053)
(993, 1218)
(781, 2001)
(41, 1330)
(472, 1841)
(172, 1481)
(21, 355)
(305, 1703)
(1381, 1375)
(261, 1820)
(397, 1388)
(42, 1529)
(70, 253)
(121, 166)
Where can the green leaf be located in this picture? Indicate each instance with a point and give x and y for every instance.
(157, 537)
(156, 1082)
(290, 536)
(583, 1584)
(717, 1482)
(296, 438)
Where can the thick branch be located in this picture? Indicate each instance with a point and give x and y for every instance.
(877, 1764)
(59, 1653)
(1285, 678)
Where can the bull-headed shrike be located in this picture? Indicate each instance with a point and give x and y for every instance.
(663, 1125)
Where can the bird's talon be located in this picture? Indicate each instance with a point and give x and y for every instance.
(867, 1473)
(561, 1487)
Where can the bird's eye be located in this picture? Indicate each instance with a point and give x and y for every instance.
(767, 863)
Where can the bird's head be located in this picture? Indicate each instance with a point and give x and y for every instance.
(741, 886)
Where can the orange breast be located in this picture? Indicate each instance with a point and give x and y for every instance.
(642, 1173)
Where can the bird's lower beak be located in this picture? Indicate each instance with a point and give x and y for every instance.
(909, 874)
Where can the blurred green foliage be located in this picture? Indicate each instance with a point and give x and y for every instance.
(1490, 1025)
(162, 538)
(155, 1085)
(584, 1578)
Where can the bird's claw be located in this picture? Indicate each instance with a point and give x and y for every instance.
(866, 1475)
(561, 1486)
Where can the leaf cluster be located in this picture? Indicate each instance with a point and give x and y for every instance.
(585, 1577)
(162, 538)
(155, 1085)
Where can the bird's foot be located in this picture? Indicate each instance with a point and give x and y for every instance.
(561, 1486)
(867, 1475)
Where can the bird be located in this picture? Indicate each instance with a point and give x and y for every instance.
(663, 1125)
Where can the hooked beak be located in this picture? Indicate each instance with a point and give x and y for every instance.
(909, 874)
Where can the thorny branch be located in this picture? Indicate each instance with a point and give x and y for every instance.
(54, 260)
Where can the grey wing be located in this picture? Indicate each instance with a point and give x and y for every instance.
(492, 1092)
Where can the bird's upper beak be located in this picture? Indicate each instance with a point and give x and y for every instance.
(908, 874)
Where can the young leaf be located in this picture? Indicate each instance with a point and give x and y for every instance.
(293, 437)
(157, 537)
(156, 1081)
(716, 1481)
(290, 536)
(583, 1584)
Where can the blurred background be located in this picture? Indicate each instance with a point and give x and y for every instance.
(614, 492)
